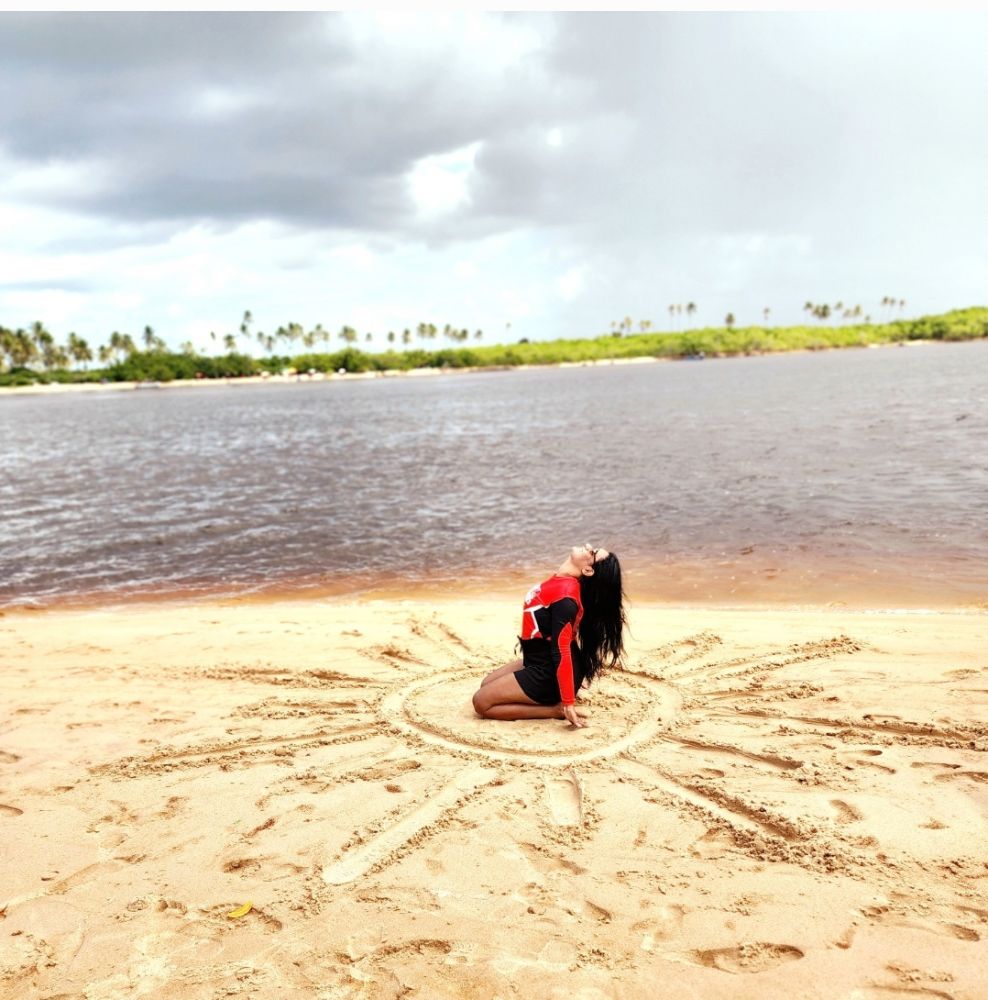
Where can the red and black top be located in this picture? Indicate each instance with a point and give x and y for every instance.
(552, 613)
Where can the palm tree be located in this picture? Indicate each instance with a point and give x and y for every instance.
(690, 310)
(6, 345)
(230, 342)
(79, 350)
(729, 320)
(766, 312)
(57, 358)
(148, 337)
(406, 336)
(391, 336)
(188, 348)
(51, 354)
(245, 325)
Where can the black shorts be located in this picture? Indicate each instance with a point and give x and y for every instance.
(537, 677)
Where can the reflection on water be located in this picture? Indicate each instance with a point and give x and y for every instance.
(857, 476)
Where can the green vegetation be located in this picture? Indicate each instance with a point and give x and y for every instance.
(28, 357)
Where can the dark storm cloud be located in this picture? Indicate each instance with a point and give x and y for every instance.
(232, 116)
(671, 124)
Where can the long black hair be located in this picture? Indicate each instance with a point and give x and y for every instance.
(603, 622)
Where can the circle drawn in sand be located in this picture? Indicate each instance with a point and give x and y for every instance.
(436, 710)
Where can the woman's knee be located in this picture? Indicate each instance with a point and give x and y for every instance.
(481, 703)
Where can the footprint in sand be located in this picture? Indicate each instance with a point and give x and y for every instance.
(8, 758)
(243, 866)
(713, 844)
(890, 992)
(979, 777)
(664, 925)
(10, 811)
(564, 794)
(746, 958)
(598, 912)
(846, 813)
(863, 757)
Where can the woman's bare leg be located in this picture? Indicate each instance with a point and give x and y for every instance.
(508, 668)
(501, 697)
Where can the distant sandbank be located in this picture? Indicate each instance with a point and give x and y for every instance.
(56, 388)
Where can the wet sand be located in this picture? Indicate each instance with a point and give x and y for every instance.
(765, 804)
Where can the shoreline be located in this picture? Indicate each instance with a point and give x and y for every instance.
(450, 593)
(385, 587)
(57, 388)
(761, 803)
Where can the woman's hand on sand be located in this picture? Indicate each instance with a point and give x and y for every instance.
(569, 713)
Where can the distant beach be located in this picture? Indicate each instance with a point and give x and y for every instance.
(266, 378)
(306, 377)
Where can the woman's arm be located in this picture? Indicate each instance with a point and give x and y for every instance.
(563, 618)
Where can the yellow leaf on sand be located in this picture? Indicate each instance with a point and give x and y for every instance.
(240, 911)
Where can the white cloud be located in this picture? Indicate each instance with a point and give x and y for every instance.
(222, 102)
(440, 184)
(570, 284)
(356, 255)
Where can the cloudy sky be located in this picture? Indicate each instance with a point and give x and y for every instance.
(551, 172)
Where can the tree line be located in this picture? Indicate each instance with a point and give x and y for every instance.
(818, 310)
(36, 346)
(33, 355)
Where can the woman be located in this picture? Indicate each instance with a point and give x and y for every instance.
(572, 625)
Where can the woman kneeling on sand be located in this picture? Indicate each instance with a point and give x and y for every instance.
(571, 627)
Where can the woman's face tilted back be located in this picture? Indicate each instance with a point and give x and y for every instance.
(583, 558)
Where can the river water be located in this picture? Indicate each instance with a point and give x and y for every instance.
(856, 477)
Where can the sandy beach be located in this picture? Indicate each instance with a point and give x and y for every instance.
(765, 804)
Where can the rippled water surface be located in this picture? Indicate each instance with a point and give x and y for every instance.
(846, 476)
